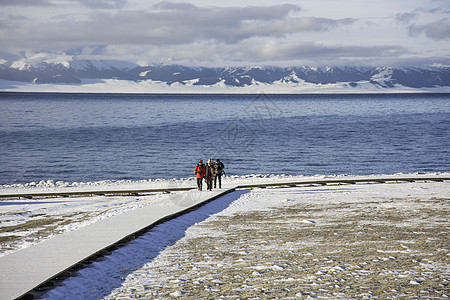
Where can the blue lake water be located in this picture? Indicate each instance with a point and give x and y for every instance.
(91, 137)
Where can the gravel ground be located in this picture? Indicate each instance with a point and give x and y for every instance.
(341, 247)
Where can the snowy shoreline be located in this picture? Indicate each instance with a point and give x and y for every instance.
(158, 87)
(331, 242)
(49, 218)
(165, 262)
(108, 185)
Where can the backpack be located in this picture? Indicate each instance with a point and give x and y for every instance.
(219, 167)
(200, 168)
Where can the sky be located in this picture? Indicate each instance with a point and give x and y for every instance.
(232, 33)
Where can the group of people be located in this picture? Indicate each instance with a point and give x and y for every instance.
(211, 172)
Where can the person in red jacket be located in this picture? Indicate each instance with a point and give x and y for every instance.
(200, 172)
(209, 174)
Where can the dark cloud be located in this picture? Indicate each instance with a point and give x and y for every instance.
(14, 18)
(310, 50)
(295, 25)
(406, 17)
(168, 23)
(102, 4)
(181, 31)
(167, 5)
(25, 3)
(274, 52)
(410, 16)
(439, 30)
(175, 23)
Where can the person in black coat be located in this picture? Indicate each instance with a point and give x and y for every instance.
(218, 166)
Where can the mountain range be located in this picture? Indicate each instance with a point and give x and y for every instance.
(45, 68)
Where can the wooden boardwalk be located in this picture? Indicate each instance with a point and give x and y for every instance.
(26, 272)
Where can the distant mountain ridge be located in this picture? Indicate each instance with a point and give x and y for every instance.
(67, 69)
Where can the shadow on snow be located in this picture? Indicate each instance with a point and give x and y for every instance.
(102, 277)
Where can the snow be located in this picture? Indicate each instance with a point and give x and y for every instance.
(233, 180)
(191, 82)
(150, 86)
(42, 59)
(38, 59)
(243, 239)
(383, 73)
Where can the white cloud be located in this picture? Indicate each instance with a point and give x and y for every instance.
(262, 32)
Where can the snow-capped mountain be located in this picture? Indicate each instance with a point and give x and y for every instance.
(64, 68)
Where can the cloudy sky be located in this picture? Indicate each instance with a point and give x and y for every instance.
(231, 33)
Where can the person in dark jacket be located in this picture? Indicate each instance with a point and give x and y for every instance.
(200, 173)
(209, 174)
(218, 166)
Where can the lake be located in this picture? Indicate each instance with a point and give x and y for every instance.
(93, 137)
